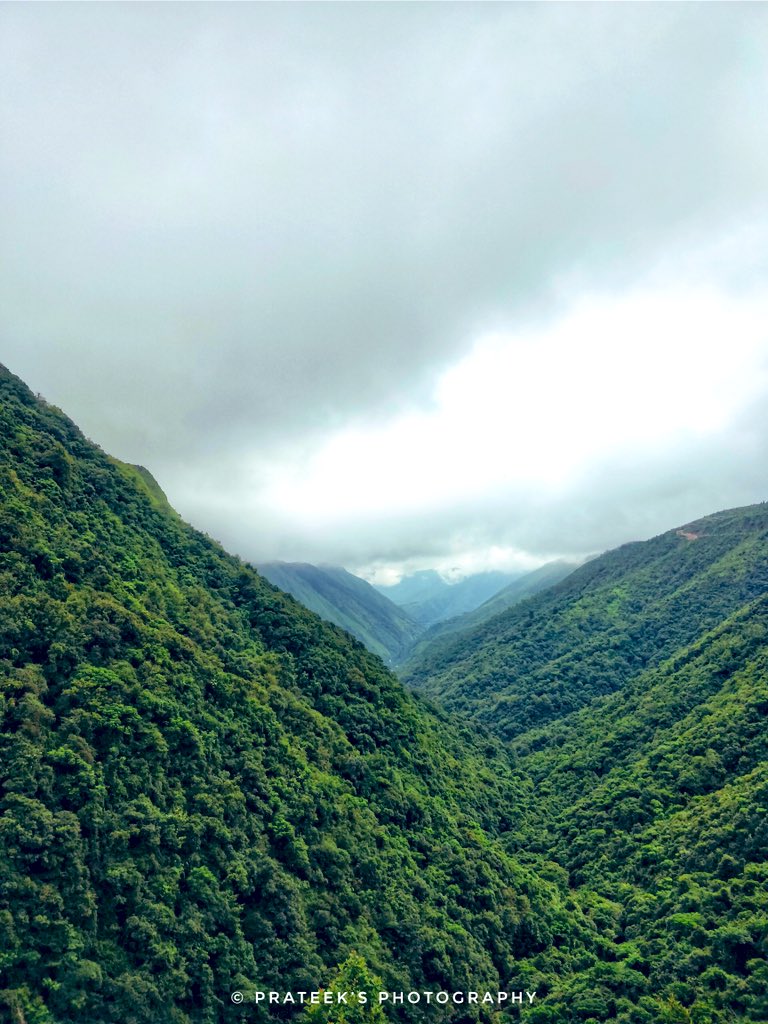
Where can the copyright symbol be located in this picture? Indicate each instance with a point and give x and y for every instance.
(237, 997)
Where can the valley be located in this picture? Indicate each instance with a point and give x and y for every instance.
(207, 789)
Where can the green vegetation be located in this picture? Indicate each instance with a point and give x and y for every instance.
(339, 597)
(518, 590)
(207, 789)
(428, 598)
(657, 799)
(634, 695)
(353, 976)
(600, 627)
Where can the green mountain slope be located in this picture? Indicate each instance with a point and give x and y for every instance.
(656, 798)
(635, 698)
(602, 625)
(145, 478)
(346, 600)
(428, 598)
(525, 586)
(518, 590)
(205, 788)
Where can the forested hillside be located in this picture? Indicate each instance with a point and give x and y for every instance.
(601, 626)
(207, 789)
(346, 600)
(518, 590)
(657, 799)
(635, 697)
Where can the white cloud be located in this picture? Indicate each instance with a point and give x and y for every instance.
(531, 414)
(358, 282)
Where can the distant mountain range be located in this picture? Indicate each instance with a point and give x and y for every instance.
(518, 590)
(398, 632)
(428, 598)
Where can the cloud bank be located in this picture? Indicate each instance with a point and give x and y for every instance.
(414, 284)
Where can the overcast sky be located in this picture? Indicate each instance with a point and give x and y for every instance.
(397, 285)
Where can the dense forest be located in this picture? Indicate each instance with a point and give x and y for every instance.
(634, 696)
(207, 789)
(601, 626)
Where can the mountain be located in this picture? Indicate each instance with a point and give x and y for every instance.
(524, 586)
(205, 789)
(656, 799)
(428, 598)
(634, 696)
(349, 602)
(611, 619)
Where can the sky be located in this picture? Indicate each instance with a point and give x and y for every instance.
(397, 286)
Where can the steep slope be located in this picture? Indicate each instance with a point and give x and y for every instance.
(349, 602)
(428, 598)
(205, 788)
(657, 799)
(518, 590)
(645, 676)
(153, 488)
(604, 624)
(527, 585)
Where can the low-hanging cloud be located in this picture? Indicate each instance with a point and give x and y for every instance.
(623, 417)
(235, 233)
